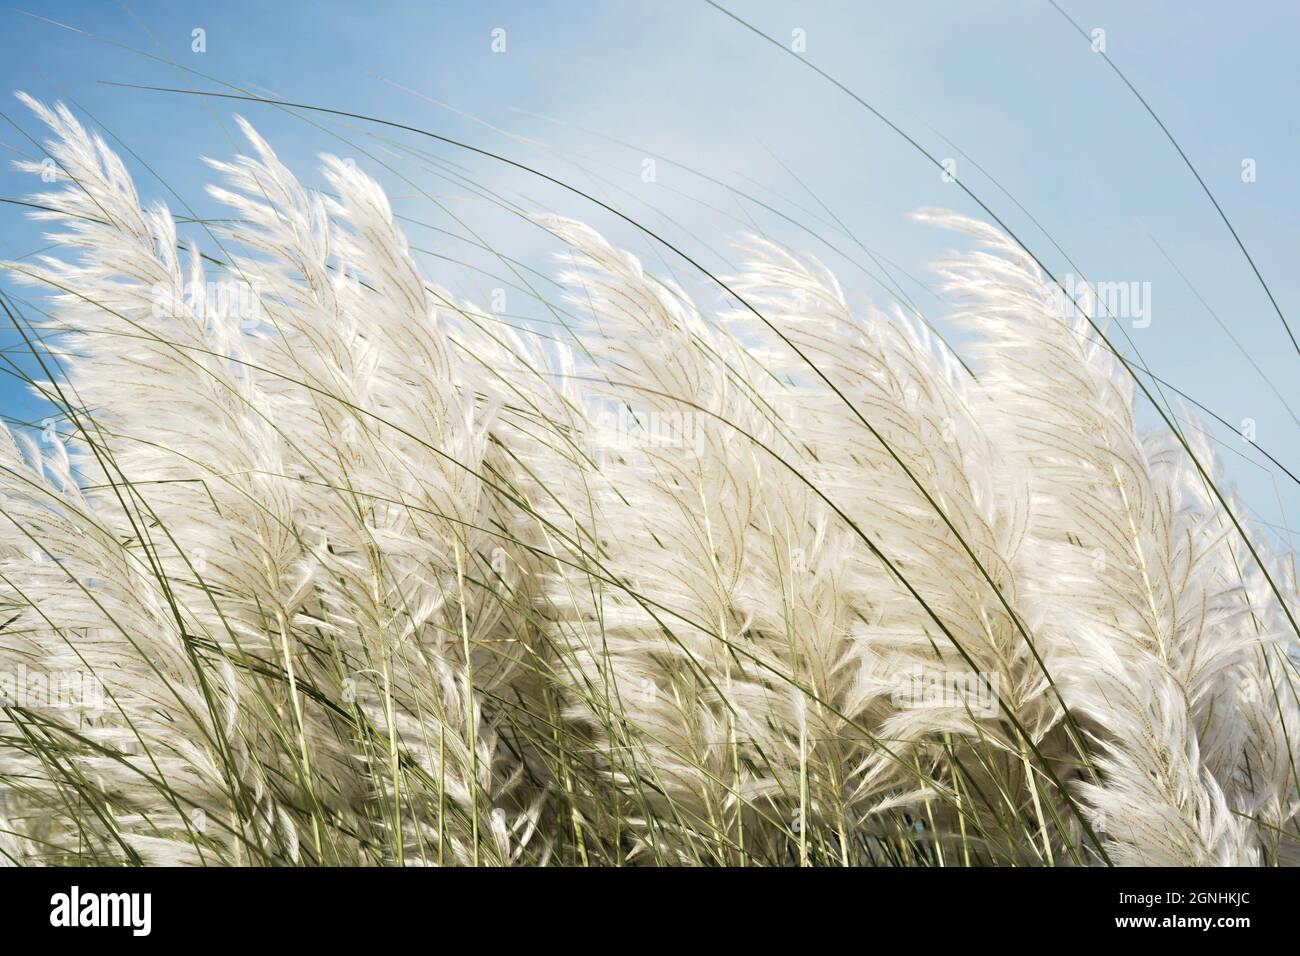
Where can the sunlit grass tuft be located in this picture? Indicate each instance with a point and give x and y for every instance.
(353, 572)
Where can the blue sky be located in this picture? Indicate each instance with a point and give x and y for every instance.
(1006, 82)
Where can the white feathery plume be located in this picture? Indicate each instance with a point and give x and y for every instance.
(367, 576)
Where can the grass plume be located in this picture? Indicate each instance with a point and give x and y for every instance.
(365, 574)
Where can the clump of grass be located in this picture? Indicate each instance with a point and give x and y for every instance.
(368, 575)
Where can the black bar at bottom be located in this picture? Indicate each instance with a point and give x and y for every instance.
(682, 907)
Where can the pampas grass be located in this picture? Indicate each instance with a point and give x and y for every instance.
(369, 576)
